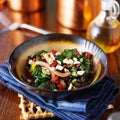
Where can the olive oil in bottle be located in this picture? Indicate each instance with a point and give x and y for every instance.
(104, 30)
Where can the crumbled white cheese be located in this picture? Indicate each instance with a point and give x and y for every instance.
(68, 61)
(52, 56)
(30, 62)
(48, 58)
(59, 67)
(76, 62)
(70, 86)
(59, 62)
(80, 72)
(75, 59)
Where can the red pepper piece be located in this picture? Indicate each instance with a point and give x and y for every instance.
(34, 59)
(77, 67)
(88, 55)
(60, 86)
(55, 79)
(43, 58)
(77, 52)
(54, 63)
(54, 52)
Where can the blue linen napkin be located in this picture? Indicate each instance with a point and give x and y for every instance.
(86, 105)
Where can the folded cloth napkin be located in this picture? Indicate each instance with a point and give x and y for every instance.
(84, 105)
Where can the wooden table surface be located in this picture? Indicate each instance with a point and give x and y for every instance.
(9, 40)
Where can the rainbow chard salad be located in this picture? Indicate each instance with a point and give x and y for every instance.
(55, 70)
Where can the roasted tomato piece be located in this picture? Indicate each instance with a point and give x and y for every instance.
(54, 63)
(88, 55)
(55, 79)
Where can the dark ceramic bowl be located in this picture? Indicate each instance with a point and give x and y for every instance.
(17, 59)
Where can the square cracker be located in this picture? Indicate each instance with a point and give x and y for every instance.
(30, 110)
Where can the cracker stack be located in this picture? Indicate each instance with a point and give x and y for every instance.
(30, 110)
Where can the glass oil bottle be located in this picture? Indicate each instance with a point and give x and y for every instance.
(104, 30)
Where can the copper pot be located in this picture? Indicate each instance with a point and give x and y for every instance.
(77, 14)
(26, 5)
(2, 2)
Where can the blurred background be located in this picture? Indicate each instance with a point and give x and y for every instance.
(62, 16)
